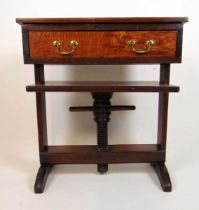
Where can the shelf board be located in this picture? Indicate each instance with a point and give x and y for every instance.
(102, 86)
(89, 154)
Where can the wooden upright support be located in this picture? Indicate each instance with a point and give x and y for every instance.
(42, 130)
(160, 167)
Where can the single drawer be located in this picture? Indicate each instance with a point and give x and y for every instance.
(103, 44)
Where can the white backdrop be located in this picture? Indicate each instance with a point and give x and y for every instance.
(138, 186)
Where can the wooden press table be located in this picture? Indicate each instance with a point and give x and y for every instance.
(96, 41)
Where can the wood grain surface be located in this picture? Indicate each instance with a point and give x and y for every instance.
(103, 44)
(88, 154)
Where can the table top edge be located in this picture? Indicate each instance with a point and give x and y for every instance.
(93, 20)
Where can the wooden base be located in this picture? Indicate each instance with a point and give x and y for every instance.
(41, 178)
(159, 168)
(163, 176)
(90, 154)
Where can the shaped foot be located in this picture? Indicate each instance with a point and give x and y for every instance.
(163, 176)
(41, 178)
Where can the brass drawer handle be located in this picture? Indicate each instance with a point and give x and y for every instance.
(132, 45)
(57, 46)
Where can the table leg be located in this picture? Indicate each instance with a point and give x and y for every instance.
(160, 168)
(42, 129)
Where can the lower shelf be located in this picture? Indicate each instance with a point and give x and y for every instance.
(89, 154)
(102, 86)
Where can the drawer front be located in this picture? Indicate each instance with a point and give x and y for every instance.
(102, 44)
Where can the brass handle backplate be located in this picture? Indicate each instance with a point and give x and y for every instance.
(57, 46)
(132, 45)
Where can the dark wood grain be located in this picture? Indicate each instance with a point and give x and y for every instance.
(103, 27)
(163, 106)
(89, 154)
(25, 42)
(103, 20)
(41, 108)
(112, 86)
(179, 43)
(103, 61)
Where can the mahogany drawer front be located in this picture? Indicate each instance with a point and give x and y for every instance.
(102, 44)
